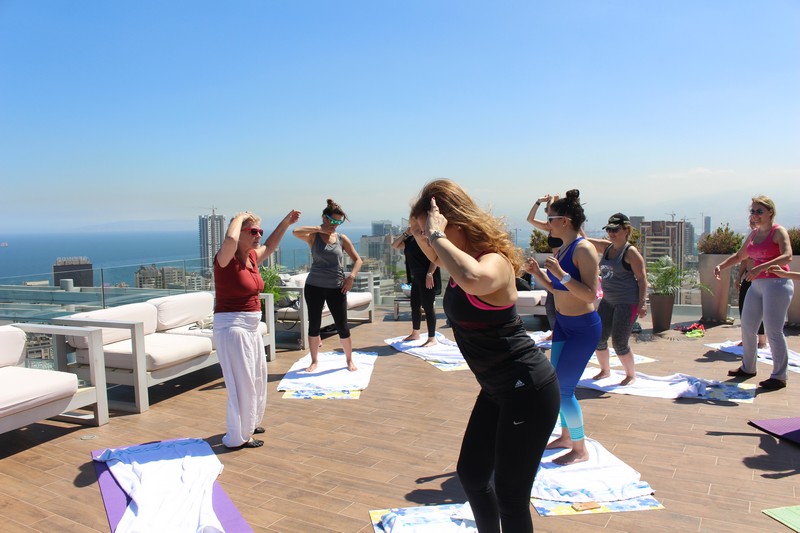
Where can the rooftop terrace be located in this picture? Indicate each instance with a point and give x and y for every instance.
(325, 464)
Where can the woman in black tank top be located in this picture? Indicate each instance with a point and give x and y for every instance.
(517, 407)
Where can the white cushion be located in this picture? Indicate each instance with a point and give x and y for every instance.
(161, 350)
(181, 309)
(25, 388)
(527, 300)
(139, 312)
(297, 280)
(12, 346)
(193, 330)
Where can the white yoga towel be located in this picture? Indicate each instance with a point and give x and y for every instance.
(539, 338)
(331, 373)
(170, 484)
(762, 354)
(445, 352)
(603, 478)
(613, 360)
(674, 386)
(452, 518)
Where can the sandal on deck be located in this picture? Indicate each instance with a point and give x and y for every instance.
(258, 430)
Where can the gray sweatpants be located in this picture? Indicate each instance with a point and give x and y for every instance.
(768, 298)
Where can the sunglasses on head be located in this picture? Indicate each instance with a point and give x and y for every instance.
(254, 231)
(333, 220)
(759, 211)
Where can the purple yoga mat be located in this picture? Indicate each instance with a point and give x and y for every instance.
(116, 501)
(784, 428)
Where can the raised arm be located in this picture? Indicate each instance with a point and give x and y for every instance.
(399, 243)
(307, 233)
(537, 223)
(274, 239)
(231, 242)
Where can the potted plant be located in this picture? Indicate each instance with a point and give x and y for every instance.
(272, 282)
(794, 266)
(541, 250)
(665, 279)
(714, 248)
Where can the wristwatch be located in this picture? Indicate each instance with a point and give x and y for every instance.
(566, 279)
(436, 235)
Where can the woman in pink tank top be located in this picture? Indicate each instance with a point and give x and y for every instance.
(769, 296)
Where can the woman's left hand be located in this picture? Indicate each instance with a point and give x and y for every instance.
(436, 221)
(347, 285)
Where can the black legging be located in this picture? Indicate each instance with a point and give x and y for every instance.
(506, 436)
(423, 298)
(316, 298)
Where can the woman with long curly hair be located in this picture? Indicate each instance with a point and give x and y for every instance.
(517, 406)
(571, 275)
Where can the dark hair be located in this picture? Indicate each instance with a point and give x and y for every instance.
(570, 207)
(334, 209)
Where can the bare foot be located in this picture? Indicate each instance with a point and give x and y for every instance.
(629, 380)
(602, 374)
(548, 338)
(412, 337)
(430, 342)
(762, 345)
(560, 442)
(351, 366)
(571, 457)
(311, 367)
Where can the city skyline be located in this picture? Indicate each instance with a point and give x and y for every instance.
(142, 116)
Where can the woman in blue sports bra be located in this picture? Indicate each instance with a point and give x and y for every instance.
(571, 275)
(517, 406)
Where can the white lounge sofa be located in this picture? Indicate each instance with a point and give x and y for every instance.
(151, 342)
(360, 307)
(531, 302)
(28, 395)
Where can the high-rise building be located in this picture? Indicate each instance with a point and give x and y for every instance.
(663, 237)
(212, 233)
(706, 225)
(78, 269)
(381, 228)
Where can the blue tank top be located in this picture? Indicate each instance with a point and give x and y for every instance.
(494, 343)
(568, 265)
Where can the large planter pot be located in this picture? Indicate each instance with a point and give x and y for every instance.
(794, 306)
(661, 311)
(716, 304)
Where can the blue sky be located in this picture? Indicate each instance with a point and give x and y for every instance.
(144, 114)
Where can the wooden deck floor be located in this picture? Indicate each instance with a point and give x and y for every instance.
(327, 463)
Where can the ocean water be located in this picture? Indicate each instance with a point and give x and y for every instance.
(30, 257)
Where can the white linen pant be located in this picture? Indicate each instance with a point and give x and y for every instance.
(241, 354)
(768, 298)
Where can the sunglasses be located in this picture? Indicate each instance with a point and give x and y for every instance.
(554, 217)
(254, 231)
(333, 220)
(758, 211)
(612, 230)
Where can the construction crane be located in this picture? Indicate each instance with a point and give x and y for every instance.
(672, 215)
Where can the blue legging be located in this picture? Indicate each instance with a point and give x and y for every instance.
(574, 341)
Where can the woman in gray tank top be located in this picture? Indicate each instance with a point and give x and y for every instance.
(624, 281)
(326, 282)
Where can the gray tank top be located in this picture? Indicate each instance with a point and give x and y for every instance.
(326, 266)
(619, 284)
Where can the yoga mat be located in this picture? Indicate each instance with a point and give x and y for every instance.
(673, 386)
(445, 355)
(539, 338)
(331, 373)
(614, 361)
(784, 428)
(763, 355)
(788, 516)
(116, 501)
(322, 394)
(449, 518)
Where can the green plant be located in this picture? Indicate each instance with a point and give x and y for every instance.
(272, 280)
(539, 242)
(723, 240)
(794, 239)
(666, 278)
